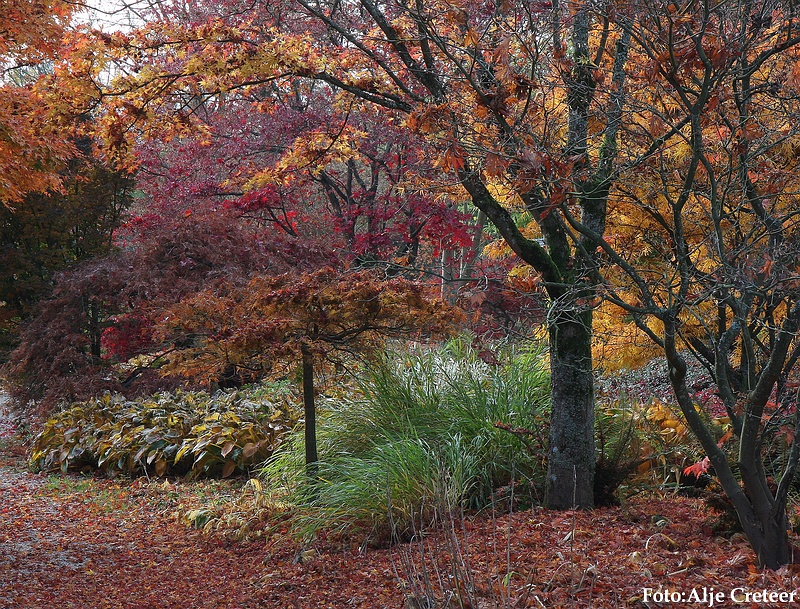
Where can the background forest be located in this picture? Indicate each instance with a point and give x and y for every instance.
(394, 260)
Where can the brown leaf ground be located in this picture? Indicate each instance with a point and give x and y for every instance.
(77, 542)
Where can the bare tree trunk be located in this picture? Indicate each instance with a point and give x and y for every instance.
(761, 514)
(309, 410)
(571, 457)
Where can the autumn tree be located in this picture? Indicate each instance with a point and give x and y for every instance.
(297, 317)
(676, 118)
(518, 105)
(703, 239)
(58, 203)
(34, 137)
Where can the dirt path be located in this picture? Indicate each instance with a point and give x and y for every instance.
(63, 549)
(59, 550)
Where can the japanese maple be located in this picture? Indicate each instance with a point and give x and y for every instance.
(704, 236)
(297, 316)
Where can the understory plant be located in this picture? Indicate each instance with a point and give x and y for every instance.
(427, 426)
(181, 433)
(646, 443)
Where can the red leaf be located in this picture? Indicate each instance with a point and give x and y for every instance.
(699, 468)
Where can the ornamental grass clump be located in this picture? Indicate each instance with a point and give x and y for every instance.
(427, 428)
(185, 433)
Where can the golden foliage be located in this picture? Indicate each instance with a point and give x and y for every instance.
(618, 342)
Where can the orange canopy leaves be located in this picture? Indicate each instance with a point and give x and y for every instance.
(33, 138)
(274, 316)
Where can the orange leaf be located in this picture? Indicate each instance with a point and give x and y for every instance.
(767, 265)
(454, 157)
(495, 165)
(500, 54)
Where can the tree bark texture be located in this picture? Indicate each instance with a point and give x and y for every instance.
(571, 462)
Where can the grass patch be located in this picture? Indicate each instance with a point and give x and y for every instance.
(428, 427)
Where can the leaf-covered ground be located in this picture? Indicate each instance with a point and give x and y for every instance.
(91, 544)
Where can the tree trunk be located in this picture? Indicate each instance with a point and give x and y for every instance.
(309, 410)
(763, 518)
(95, 332)
(571, 462)
(768, 535)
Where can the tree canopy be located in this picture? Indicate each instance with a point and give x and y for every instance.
(34, 138)
(632, 163)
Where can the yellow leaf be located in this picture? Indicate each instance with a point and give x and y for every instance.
(182, 451)
(255, 484)
(471, 38)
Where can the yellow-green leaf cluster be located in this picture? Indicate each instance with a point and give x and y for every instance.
(183, 433)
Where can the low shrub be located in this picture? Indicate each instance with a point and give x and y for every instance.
(647, 443)
(624, 441)
(191, 433)
(427, 427)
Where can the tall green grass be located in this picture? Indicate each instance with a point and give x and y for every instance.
(421, 432)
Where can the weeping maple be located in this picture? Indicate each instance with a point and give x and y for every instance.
(297, 317)
(95, 331)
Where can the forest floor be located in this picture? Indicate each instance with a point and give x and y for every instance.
(89, 543)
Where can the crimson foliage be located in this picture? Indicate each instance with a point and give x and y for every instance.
(102, 311)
